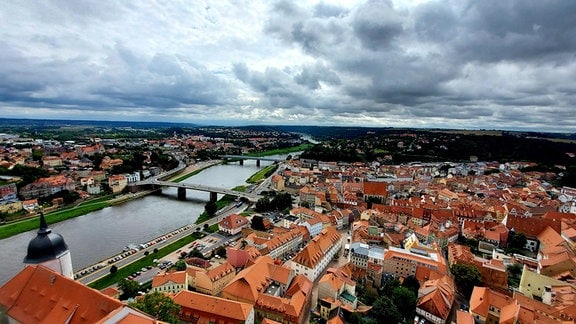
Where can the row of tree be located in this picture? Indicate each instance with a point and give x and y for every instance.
(274, 201)
(394, 302)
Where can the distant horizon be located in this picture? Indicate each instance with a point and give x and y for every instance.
(172, 123)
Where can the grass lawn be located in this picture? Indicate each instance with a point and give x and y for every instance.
(262, 174)
(51, 218)
(188, 175)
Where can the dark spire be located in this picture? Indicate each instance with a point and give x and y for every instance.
(46, 245)
(43, 225)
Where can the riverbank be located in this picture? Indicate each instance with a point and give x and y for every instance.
(262, 174)
(193, 169)
(84, 207)
(151, 216)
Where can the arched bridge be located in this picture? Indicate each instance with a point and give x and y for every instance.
(241, 158)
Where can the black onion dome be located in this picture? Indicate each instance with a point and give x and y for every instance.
(46, 245)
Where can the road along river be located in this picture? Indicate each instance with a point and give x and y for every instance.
(100, 234)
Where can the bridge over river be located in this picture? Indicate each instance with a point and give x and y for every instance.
(241, 158)
(214, 191)
(160, 181)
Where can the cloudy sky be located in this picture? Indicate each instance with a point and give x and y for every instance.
(494, 64)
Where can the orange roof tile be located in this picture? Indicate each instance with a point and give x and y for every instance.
(255, 278)
(532, 226)
(178, 277)
(482, 298)
(220, 271)
(315, 250)
(233, 221)
(436, 296)
(39, 295)
(550, 238)
(215, 305)
(463, 317)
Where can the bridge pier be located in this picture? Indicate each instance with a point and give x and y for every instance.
(213, 196)
(241, 162)
(181, 193)
(258, 163)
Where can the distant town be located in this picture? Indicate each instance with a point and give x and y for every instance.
(355, 225)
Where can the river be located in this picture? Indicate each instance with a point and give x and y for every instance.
(103, 233)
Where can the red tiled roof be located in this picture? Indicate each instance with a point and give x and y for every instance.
(532, 226)
(437, 296)
(215, 305)
(37, 294)
(377, 188)
(249, 282)
(177, 277)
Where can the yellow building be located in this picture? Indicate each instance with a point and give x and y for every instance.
(171, 282)
(117, 183)
(211, 281)
(9, 207)
(533, 284)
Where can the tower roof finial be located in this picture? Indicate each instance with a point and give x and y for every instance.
(43, 225)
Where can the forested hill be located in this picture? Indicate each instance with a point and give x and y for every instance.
(324, 133)
(408, 146)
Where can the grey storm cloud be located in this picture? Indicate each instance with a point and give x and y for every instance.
(442, 63)
(376, 24)
(311, 76)
(165, 81)
(421, 58)
(278, 87)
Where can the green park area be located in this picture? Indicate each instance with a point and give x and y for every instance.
(181, 177)
(262, 174)
(112, 278)
(29, 224)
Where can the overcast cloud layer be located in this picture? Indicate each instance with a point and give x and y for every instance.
(448, 63)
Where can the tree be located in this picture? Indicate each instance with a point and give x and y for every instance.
(516, 241)
(129, 288)
(366, 294)
(263, 204)
(180, 265)
(389, 284)
(37, 155)
(113, 269)
(411, 283)
(515, 270)
(221, 251)
(384, 311)
(258, 223)
(281, 201)
(211, 208)
(466, 277)
(158, 305)
(196, 254)
(405, 301)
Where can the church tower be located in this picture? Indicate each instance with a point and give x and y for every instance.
(50, 250)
